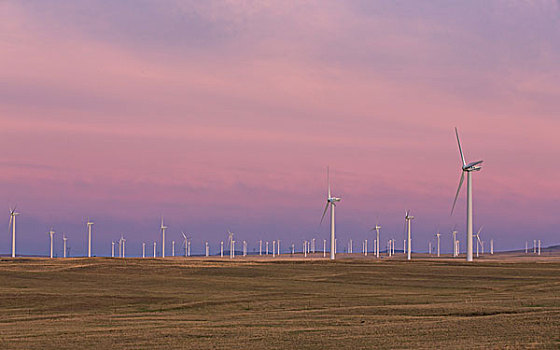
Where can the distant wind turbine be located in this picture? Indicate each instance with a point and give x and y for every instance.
(64, 239)
(467, 168)
(51, 234)
(163, 228)
(185, 243)
(231, 244)
(12, 225)
(89, 224)
(376, 229)
(408, 218)
(478, 241)
(438, 235)
(332, 202)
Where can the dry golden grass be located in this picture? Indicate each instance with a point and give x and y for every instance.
(103, 303)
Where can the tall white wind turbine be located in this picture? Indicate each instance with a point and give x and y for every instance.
(467, 168)
(332, 202)
(12, 225)
(185, 242)
(231, 244)
(438, 235)
(89, 224)
(64, 239)
(376, 229)
(408, 218)
(163, 228)
(51, 234)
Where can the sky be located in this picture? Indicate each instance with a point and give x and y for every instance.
(225, 115)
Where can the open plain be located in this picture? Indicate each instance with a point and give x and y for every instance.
(354, 303)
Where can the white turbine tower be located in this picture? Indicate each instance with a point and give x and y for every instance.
(376, 229)
(438, 235)
(455, 247)
(12, 225)
(64, 239)
(467, 168)
(231, 245)
(332, 202)
(163, 227)
(112, 249)
(185, 242)
(89, 224)
(143, 249)
(51, 234)
(408, 218)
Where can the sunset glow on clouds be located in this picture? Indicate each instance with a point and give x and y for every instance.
(225, 114)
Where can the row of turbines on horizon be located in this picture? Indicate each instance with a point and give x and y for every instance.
(309, 246)
(266, 248)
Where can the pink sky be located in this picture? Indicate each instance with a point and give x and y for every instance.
(225, 114)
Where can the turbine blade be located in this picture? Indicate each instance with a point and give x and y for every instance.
(324, 212)
(328, 184)
(460, 150)
(458, 190)
(10, 224)
(480, 229)
(471, 164)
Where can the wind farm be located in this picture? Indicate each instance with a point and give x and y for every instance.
(279, 175)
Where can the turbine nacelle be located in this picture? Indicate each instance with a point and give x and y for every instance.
(333, 200)
(473, 166)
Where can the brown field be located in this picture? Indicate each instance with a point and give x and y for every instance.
(503, 302)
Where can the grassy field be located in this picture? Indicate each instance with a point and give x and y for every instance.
(214, 303)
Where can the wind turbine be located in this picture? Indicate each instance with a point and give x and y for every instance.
(143, 249)
(332, 202)
(51, 233)
(437, 235)
(455, 250)
(163, 227)
(112, 249)
(231, 245)
(12, 225)
(185, 241)
(64, 239)
(467, 168)
(408, 218)
(478, 241)
(376, 229)
(89, 224)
